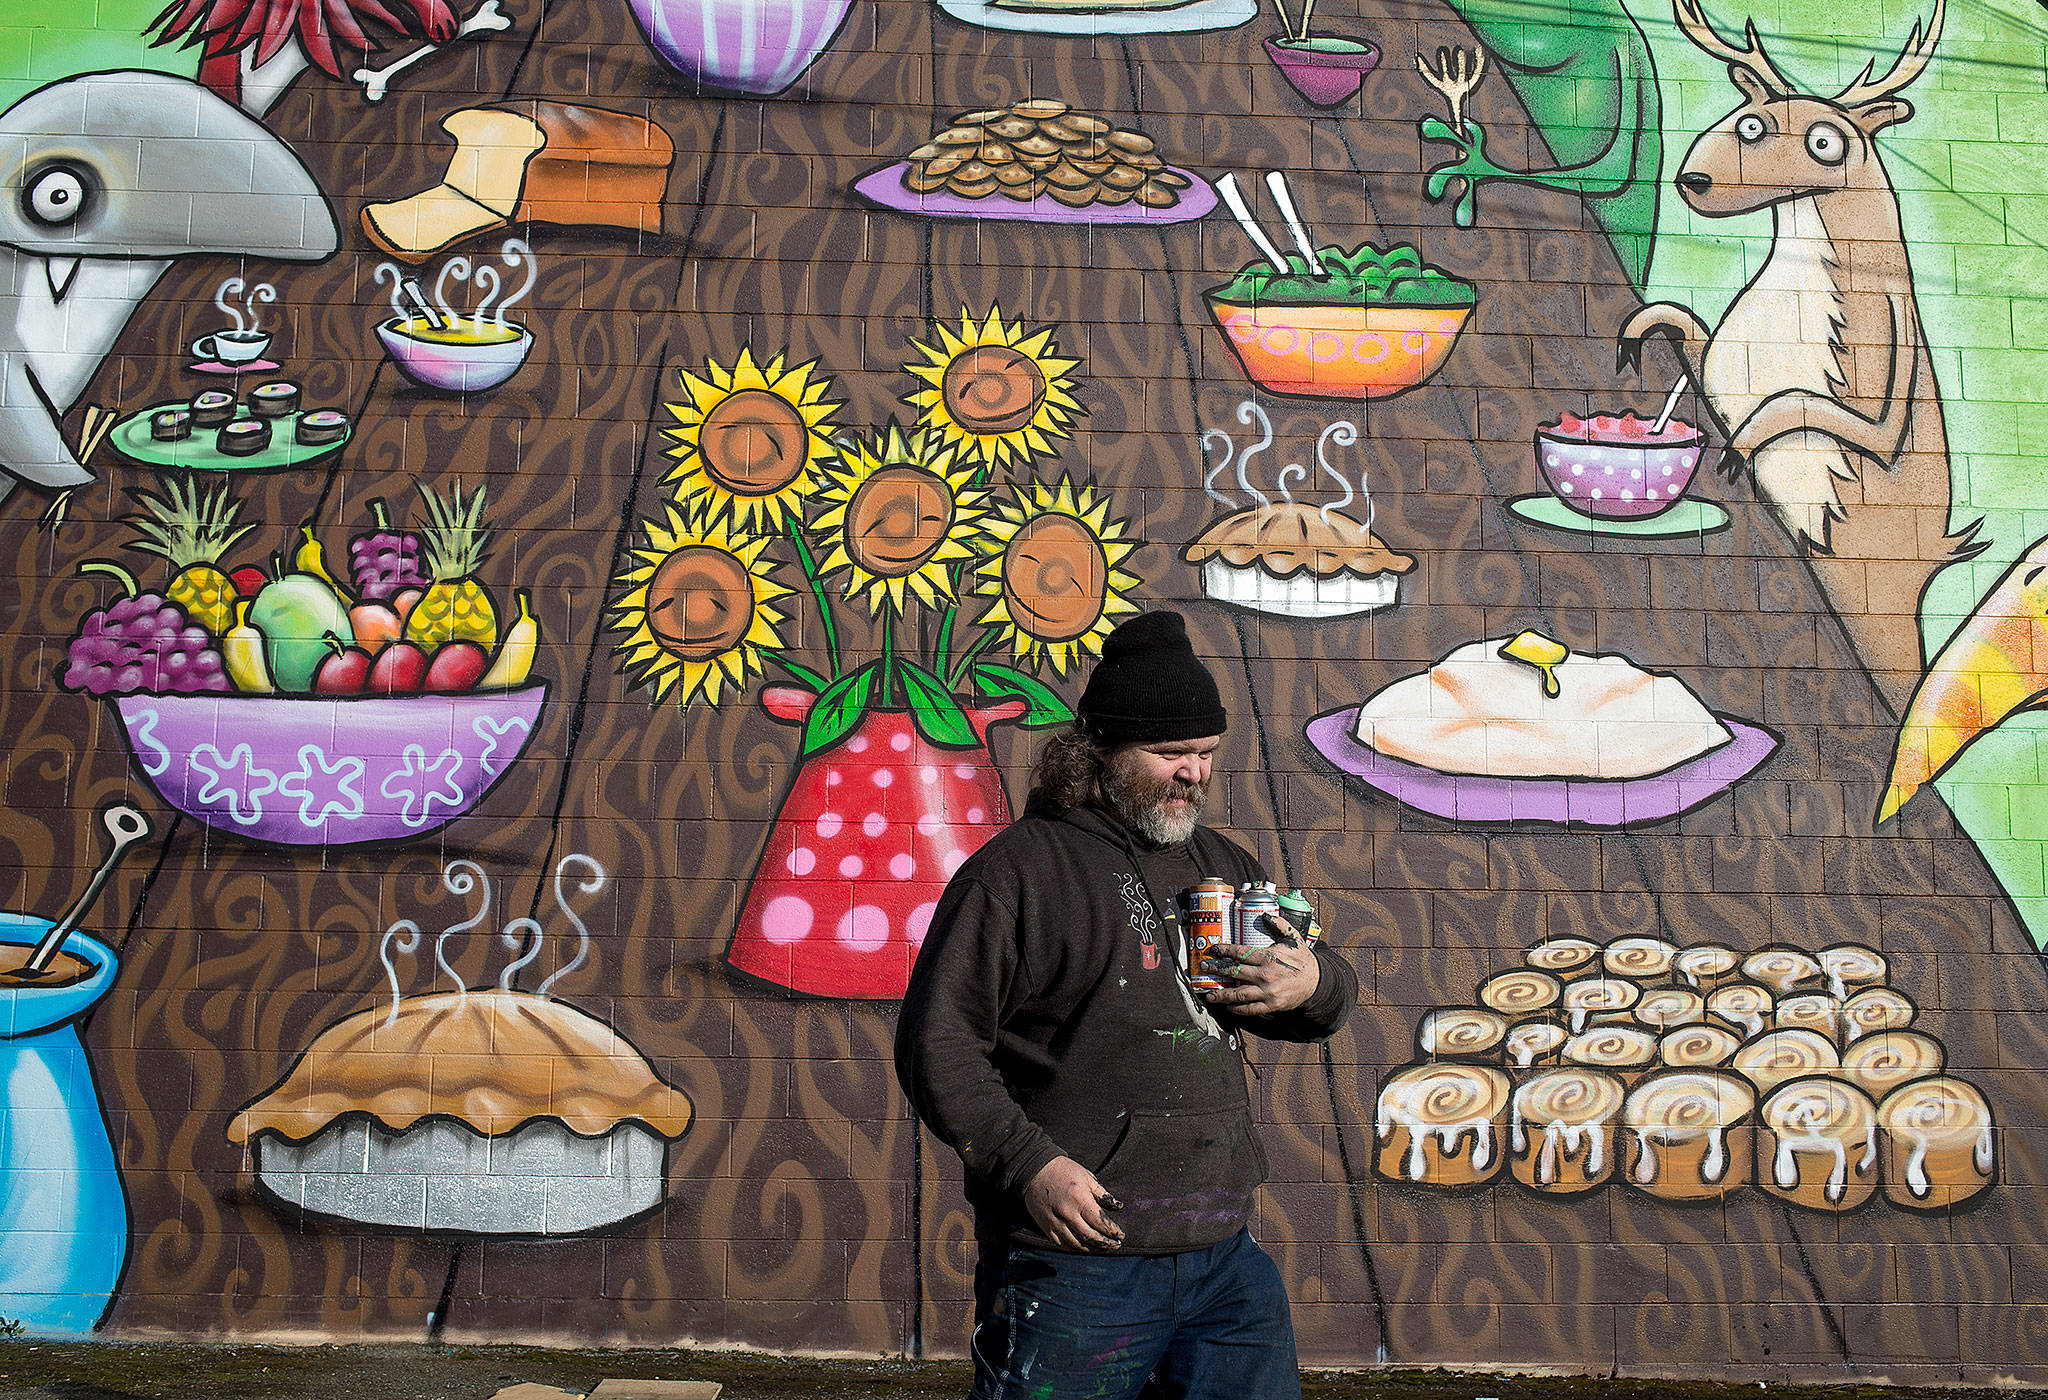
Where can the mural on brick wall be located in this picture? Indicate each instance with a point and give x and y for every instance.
(548, 531)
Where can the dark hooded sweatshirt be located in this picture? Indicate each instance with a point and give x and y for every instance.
(1049, 1014)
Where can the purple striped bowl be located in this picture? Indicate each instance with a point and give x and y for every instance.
(757, 46)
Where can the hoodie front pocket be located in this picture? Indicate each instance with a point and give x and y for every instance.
(1184, 1176)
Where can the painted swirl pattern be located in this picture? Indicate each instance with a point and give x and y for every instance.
(1817, 1144)
(1940, 1143)
(1562, 1129)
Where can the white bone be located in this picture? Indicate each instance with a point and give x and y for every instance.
(377, 81)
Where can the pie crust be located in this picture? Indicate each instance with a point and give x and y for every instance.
(1297, 561)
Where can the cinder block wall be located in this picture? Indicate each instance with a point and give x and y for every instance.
(753, 416)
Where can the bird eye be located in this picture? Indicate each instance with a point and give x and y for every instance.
(1750, 128)
(1826, 144)
(56, 195)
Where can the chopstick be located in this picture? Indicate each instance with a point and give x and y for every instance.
(98, 423)
(1234, 197)
(1276, 181)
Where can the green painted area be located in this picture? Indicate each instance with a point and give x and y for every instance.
(40, 43)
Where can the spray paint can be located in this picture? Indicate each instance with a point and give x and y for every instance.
(1254, 903)
(1208, 903)
(1300, 916)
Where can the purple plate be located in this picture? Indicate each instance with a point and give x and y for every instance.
(1599, 802)
(886, 188)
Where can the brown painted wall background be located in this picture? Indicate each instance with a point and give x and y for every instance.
(801, 1208)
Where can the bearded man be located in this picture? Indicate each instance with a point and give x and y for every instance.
(1051, 1035)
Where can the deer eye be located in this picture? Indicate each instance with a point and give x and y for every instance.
(1750, 128)
(1825, 144)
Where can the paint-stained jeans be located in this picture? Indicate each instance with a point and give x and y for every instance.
(1212, 1323)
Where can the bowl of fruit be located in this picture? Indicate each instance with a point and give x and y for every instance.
(285, 706)
(1618, 468)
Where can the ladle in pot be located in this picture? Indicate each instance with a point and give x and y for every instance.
(127, 826)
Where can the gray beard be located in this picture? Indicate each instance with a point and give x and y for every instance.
(1142, 805)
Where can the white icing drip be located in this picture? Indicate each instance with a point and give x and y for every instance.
(1984, 1151)
(1869, 1154)
(1395, 1115)
(1835, 984)
(1578, 1019)
(1812, 1117)
(1916, 1168)
(1525, 1055)
(1646, 1160)
(1717, 1157)
(1754, 1022)
(1516, 1136)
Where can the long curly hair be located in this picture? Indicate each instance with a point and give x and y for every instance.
(1068, 771)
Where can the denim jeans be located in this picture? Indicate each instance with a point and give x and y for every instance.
(1213, 1324)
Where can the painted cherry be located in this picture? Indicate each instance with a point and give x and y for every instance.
(869, 834)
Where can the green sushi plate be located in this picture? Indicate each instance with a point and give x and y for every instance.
(198, 452)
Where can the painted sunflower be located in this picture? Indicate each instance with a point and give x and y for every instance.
(752, 440)
(1055, 581)
(993, 392)
(901, 511)
(698, 610)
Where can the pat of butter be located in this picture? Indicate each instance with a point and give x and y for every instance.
(1544, 653)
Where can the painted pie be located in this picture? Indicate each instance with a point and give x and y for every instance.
(1298, 561)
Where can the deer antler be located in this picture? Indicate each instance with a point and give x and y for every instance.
(1909, 65)
(1457, 72)
(1751, 58)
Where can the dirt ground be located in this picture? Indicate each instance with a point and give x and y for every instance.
(133, 1371)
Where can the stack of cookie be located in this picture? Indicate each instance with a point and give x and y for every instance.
(1042, 147)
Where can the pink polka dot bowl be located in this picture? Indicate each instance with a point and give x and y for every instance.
(1613, 468)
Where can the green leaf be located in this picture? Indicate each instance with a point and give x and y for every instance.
(1046, 705)
(843, 705)
(933, 709)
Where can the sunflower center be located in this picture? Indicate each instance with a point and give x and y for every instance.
(993, 389)
(896, 520)
(1055, 577)
(700, 603)
(753, 442)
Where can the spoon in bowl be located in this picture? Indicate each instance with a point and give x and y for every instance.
(127, 826)
(1670, 404)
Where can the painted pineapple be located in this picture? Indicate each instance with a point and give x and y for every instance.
(192, 527)
(455, 606)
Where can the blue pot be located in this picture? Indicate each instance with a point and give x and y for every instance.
(63, 1214)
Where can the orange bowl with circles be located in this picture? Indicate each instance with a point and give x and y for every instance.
(1338, 351)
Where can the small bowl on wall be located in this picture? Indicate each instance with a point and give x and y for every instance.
(1617, 468)
(1323, 68)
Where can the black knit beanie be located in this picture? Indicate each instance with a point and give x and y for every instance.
(1149, 687)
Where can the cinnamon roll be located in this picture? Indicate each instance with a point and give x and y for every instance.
(1812, 1011)
(1705, 966)
(1461, 1033)
(1644, 959)
(1626, 1052)
(1776, 1056)
(1688, 1135)
(1880, 1063)
(1817, 1143)
(1876, 1009)
(1562, 1130)
(1597, 997)
(1442, 1124)
(1663, 1008)
(1566, 959)
(1697, 1047)
(1938, 1142)
(1533, 1043)
(1521, 994)
(1850, 967)
(1743, 1007)
(1783, 970)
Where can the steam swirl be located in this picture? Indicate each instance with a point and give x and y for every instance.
(1564, 958)
(1521, 993)
(1940, 1143)
(1645, 959)
(1743, 1007)
(1773, 1058)
(1850, 966)
(1597, 995)
(1534, 1042)
(1884, 1062)
(1876, 1009)
(1662, 1008)
(1705, 966)
(1461, 1033)
(1781, 969)
(1697, 1047)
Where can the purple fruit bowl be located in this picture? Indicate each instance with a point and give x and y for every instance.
(1616, 468)
(757, 46)
(1325, 76)
(459, 368)
(307, 770)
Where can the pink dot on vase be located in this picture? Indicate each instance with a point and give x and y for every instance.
(899, 742)
(833, 778)
(852, 866)
(929, 824)
(928, 773)
(920, 919)
(975, 816)
(951, 861)
(963, 770)
(864, 929)
(857, 744)
(786, 919)
(874, 824)
(828, 825)
(883, 777)
(802, 861)
(902, 865)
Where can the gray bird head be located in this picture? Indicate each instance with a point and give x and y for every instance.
(104, 178)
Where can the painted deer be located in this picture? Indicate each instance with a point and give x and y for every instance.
(1819, 371)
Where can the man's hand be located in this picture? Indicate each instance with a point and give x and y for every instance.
(1265, 980)
(1070, 1206)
